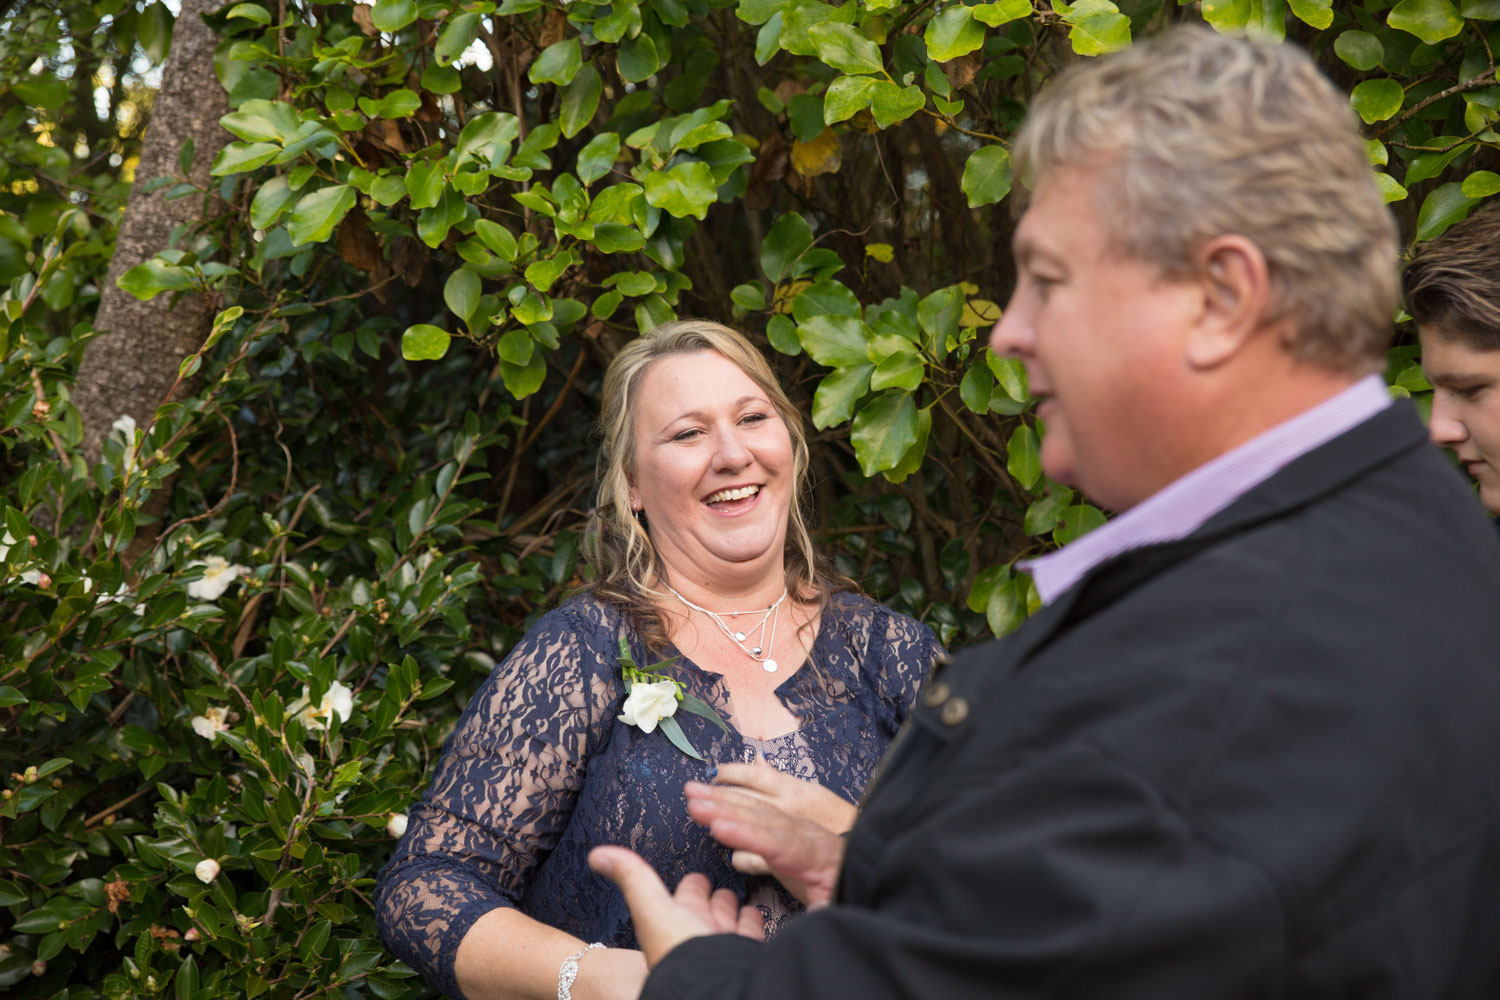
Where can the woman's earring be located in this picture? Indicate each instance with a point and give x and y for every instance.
(635, 508)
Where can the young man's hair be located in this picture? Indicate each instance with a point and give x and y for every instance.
(1452, 284)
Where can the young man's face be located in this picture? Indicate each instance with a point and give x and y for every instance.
(1466, 407)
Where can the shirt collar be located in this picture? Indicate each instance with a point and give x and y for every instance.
(1179, 508)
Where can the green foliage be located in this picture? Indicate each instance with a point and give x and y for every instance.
(426, 264)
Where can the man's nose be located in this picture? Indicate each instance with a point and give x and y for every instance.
(1011, 336)
(1444, 427)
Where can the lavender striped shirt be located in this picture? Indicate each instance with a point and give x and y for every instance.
(1176, 511)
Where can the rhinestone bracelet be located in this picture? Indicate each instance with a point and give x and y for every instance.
(568, 971)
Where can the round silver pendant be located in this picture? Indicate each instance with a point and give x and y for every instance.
(739, 637)
(770, 665)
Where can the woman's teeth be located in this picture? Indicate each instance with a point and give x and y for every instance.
(739, 493)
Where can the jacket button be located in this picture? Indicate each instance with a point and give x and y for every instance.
(955, 712)
(935, 694)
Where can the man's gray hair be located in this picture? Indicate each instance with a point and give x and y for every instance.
(1203, 135)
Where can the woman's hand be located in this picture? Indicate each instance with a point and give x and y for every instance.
(803, 799)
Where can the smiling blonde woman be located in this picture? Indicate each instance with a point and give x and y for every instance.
(701, 551)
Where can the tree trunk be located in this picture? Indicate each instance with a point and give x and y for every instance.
(131, 365)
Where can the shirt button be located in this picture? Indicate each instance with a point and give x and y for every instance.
(955, 712)
(935, 694)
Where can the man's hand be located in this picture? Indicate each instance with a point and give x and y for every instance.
(804, 799)
(663, 920)
(802, 855)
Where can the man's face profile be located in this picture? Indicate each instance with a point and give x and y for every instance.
(1098, 332)
(1466, 407)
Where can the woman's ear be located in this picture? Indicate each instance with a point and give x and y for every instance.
(1236, 284)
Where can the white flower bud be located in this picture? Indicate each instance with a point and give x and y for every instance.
(397, 825)
(207, 870)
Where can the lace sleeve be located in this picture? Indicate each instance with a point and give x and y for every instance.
(501, 793)
(906, 651)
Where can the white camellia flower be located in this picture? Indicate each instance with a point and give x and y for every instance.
(397, 825)
(211, 723)
(207, 870)
(121, 594)
(648, 704)
(126, 426)
(218, 575)
(337, 700)
(5, 543)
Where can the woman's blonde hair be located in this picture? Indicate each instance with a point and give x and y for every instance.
(626, 565)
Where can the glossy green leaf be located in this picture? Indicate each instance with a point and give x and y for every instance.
(269, 202)
(612, 237)
(846, 97)
(1430, 20)
(487, 137)
(542, 274)
(1480, 10)
(1444, 206)
(1076, 521)
(987, 175)
(911, 460)
(790, 237)
(835, 341)
(782, 333)
(424, 342)
(838, 393)
(637, 58)
(1390, 189)
(884, 429)
(685, 190)
(825, 298)
(524, 380)
(596, 158)
(457, 36)
(891, 104)
(749, 296)
(1377, 100)
(1023, 457)
(845, 49)
(1043, 515)
(316, 214)
(1003, 12)
(558, 63)
(461, 292)
(1359, 49)
(240, 157)
(1098, 26)
(497, 238)
(1317, 13)
(262, 121)
(516, 347)
(1481, 184)
(953, 32)
(393, 15)
(975, 388)
(899, 370)
(1010, 375)
(1006, 608)
(580, 99)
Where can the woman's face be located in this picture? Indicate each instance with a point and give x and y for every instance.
(713, 468)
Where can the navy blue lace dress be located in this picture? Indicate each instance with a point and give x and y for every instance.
(538, 771)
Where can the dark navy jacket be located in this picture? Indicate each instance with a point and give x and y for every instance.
(1263, 762)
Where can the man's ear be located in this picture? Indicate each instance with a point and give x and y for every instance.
(1236, 284)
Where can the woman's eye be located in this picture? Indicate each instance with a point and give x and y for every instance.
(687, 435)
(754, 418)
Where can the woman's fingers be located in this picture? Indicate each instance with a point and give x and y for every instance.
(662, 920)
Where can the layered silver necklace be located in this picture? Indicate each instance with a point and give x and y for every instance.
(758, 650)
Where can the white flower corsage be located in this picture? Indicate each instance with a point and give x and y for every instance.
(652, 699)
